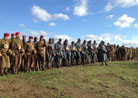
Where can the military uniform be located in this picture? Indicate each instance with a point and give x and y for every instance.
(94, 51)
(85, 53)
(67, 53)
(113, 56)
(73, 50)
(23, 65)
(103, 53)
(117, 53)
(91, 51)
(5, 53)
(18, 50)
(109, 51)
(30, 53)
(40, 47)
(123, 53)
(59, 54)
(51, 53)
(35, 56)
(12, 57)
(79, 51)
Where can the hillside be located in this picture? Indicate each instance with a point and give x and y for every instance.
(119, 79)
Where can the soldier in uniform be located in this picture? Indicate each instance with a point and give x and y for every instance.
(30, 54)
(73, 53)
(110, 52)
(79, 51)
(134, 54)
(12, 39)
(40, 47)
(23, 65)
(67, 53)
(114, 53)
(11, 57)
(123, 53)
(35, 40)
(35, 56)
(95, 52)
(127, 53)
(90, 49)
(24, 41)
(12, 36)
(59, 53)
(5, 53)
(18, 50)
(85, 52)
(103, 53)
(117, 53)
(51, 53)
(53, 42)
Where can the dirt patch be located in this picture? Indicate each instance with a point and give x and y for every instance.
(21, 88)
(105, 75)
(78, 93)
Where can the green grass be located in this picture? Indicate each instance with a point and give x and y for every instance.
(119, 79)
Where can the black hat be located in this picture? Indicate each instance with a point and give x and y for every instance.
(79, 39)
(35, 37)
(60, 39)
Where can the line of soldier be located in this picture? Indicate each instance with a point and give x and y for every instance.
(121, 53)
(18, 55)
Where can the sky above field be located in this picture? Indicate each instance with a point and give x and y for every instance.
(114, 21)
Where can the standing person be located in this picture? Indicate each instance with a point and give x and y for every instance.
(11, 57)
(123, 53)
(35, 40)
(24, 41)
(109, 51)
(23, 65)
(59, 53)
(5, 53)
(85, 53)
(73, 53)
(51, 53)
(53, 42)
(95, 51)
(30, 54)
(18, 50)
(12, 37)
(67, 52)
(114, 52)
(117, 53)
(35, 56)
(103, 53)
(40, 47)
(90, 49)
(79, 51)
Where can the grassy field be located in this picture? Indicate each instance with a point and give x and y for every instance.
(118, 80)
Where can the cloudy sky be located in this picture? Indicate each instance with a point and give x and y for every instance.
(115, 21)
